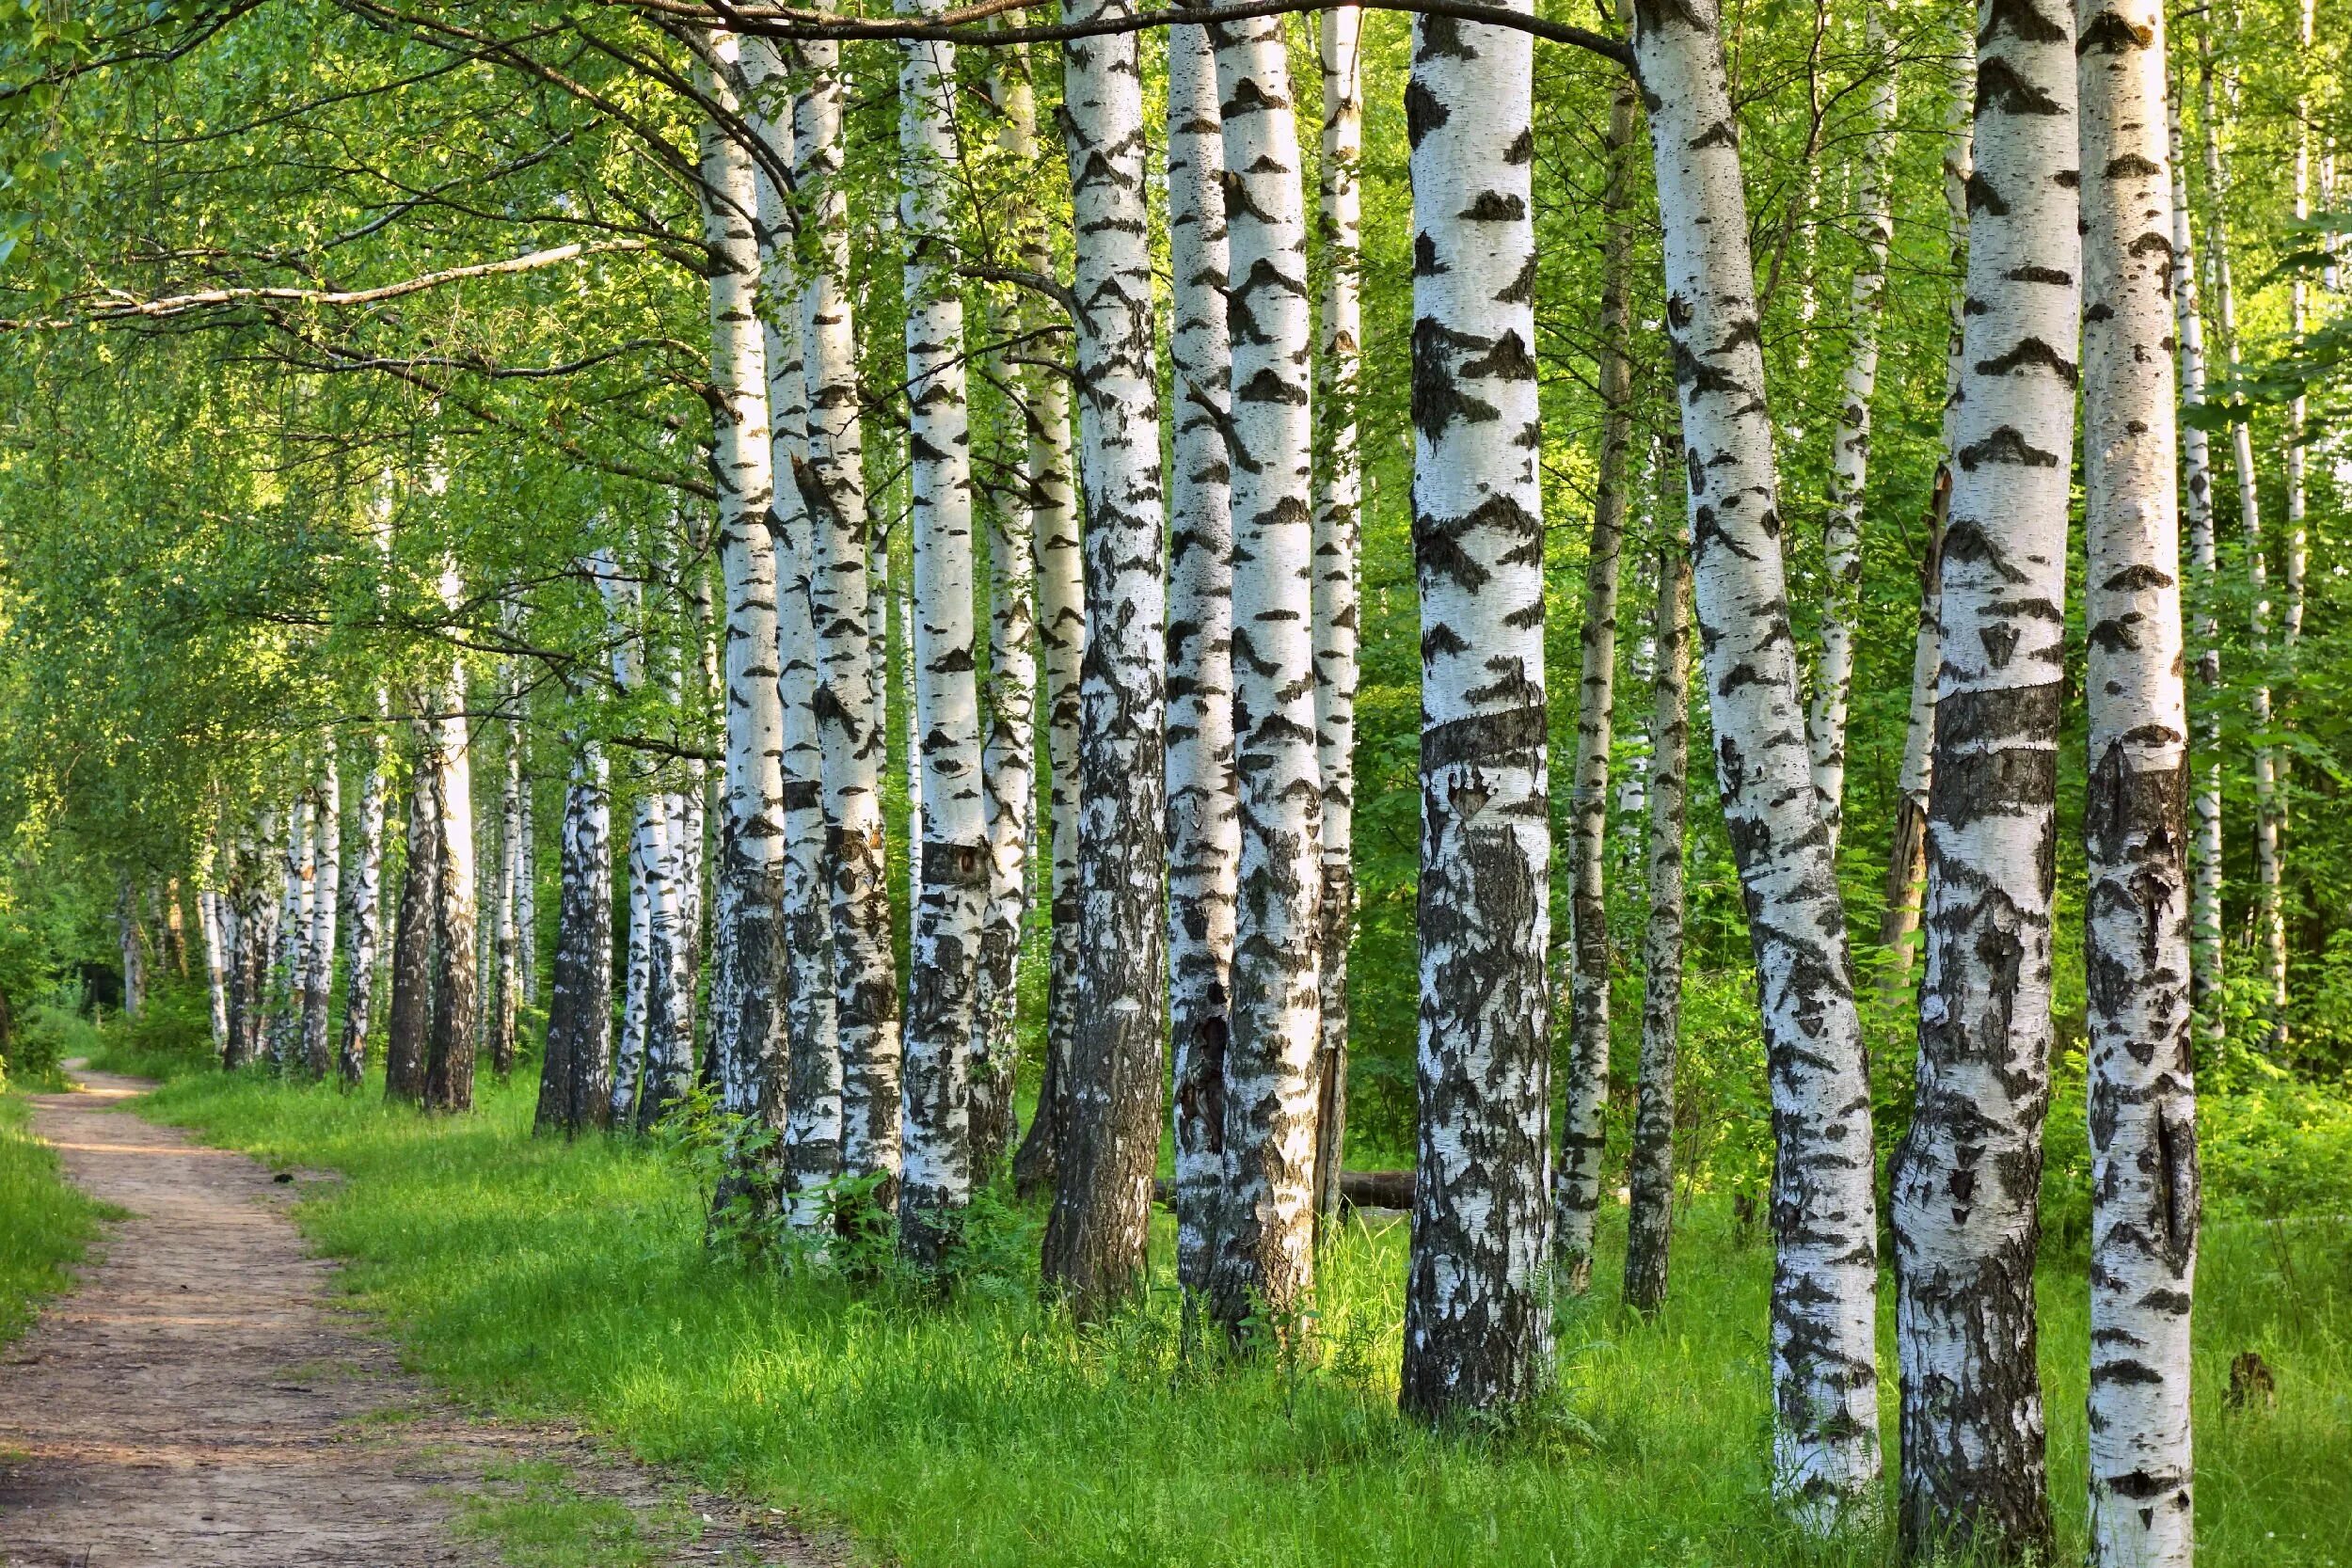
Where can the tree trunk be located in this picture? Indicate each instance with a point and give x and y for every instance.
(175, 934)
(1582, 1132)
(213, 923)
(575, 1090)
(291, 973)
(410, 1021)
(2270, 913)
(502, 933)
(1850, 457)
(1649, 1220)
(363, 916)
(1825, 1451)
(131, 944)
(865, 993)
(1265, 1261)
(526, 854)
(812, 1134)
(1009, 763)
(2142, 1110)
(326, 860)
(2205, 921)
(630, 1062)
(668, 1070)
(1477, 1323)
(955, 848)
(1966, 1180)
(449, 1069)
(1338, 546)
(1093, 1251)
(1203, 827)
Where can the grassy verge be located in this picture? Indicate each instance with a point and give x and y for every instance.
(550, 1279)
(45, 1225)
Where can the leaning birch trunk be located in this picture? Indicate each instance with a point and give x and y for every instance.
(410, 1019)
(1965, 1183)
(954, 850)
(574, 1092)
(1338, 546)
(2205, 921)
(1048, 474)
(326, 858)
(747, 987)
(812, 1133)
(1649, 1218)
(1203, 827)
(1850, 457)
(1265, 1261)
(2269, 908)
(1907, 857)
(1008, 759)
(865, 993)
(1586, 1099)
(449, 1069)
(2142, 1097)
(363, 913)
(1477, 1323)
(1093, 1249)
(1825, 1450)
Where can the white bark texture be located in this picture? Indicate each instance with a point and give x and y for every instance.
(363, 912)
(290, 981)
(2144, 1113)
(502, 934)
(941, 1017)
(811, 1092)
(327, 861)
(1338, 546)
(213, 922)
(2204, 919)
(526, 873)
(408, 1017)
(1265, 1251)
(1586, 1102)
(865, 993)
(575, 1082)
(1849, 454)
(1966, 1180)
(1477, 1325)
(449, 1069)
(1109, 1138)
(1825, 1448)
(1203, 822)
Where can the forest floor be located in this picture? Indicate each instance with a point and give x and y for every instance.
(197, 1401)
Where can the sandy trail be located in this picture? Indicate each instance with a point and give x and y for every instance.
(194, 1403)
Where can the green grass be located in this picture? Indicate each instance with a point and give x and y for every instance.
(45, 1225)
(547, 1278)
(537, 1520)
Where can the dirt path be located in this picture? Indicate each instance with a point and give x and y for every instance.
(194, 1403)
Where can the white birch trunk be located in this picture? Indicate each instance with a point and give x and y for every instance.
(2299, 407)
(292, 970)
(502, 927)
(2204, 922)
(2142, 1112)
(1825, 1448)
(865, 998)
(1266, 1254)
(1338, 546)
(408, 1016)
(449, 1068)
(1850, 455)
(1477, 1323)
(326, 860)
(526, 876)
(1093, 1250)
(1203, 824)
(363, 910)
(953, 853)
(132, 945)
(575, 1082)
(212, 925)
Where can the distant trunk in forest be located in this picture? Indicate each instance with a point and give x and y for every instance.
(1338, 546)
(502, 933)
(326, 860)
(1477, 1320)
(449, 1067)
(1203, 827)
(409, 1026)
(1108, 1141)
(526, 856)
(1586, 1102)
(131, 944)
(363, 913)
(2142, 1099)
(1649, 1218)
(1825, 1450)
(865, 993)
(1965, 1183)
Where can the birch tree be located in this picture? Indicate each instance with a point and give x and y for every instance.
(2143, 1111)
(1825, 1454)
(1108, 1140)
(502, 932)
(448, 1066)
(1203, 824)
(1966, 1182)
(1477, 1329)
(363, 910)
(1338, 546)
(326, 860)
(290, 977)
(410, 1021)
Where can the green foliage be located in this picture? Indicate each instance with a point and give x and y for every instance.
(45, 1224)
(574, 1280)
